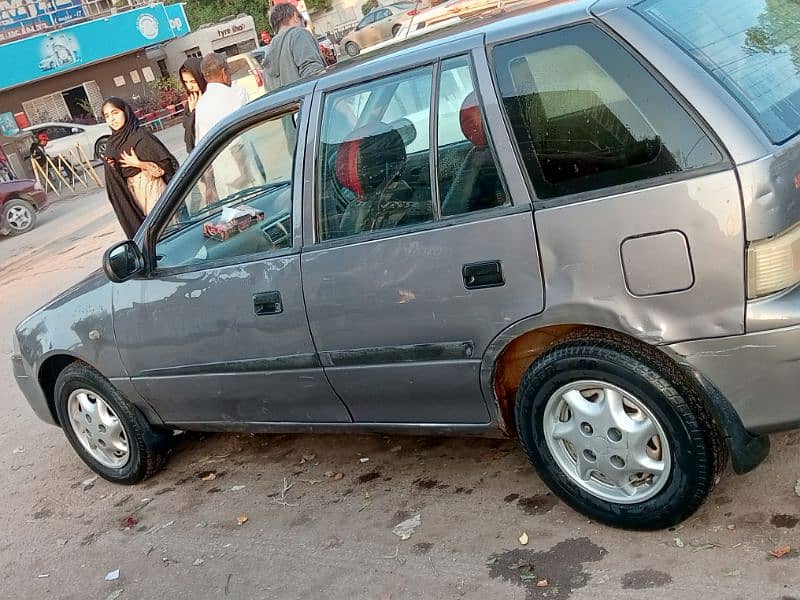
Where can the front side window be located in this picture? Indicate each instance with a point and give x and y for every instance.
(752, 47)
(586, 115)
(374, 158)
(241, 205)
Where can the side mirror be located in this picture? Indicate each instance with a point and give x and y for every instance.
(122, 261)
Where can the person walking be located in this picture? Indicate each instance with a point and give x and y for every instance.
(294, 52)
(195, 85)
(137, 166)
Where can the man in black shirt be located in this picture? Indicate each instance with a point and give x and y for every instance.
(38, 152)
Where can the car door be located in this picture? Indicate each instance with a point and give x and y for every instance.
(376, 31)
(638, 207)
(403, 299)
(218, 332)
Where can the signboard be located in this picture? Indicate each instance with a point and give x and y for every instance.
(22, 17)
(76, 46)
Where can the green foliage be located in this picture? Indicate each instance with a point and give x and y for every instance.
(321, 5)
(168, 90)
(368, 6)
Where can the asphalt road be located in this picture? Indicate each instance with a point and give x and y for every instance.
(312, 535)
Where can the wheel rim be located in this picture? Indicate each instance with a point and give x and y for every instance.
(101, 148)
(19, 217)
(607, 441)
(352, 49)
(98, 428)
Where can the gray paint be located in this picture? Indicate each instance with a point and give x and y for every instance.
(757, 373)
(775, 311)
(640, 254)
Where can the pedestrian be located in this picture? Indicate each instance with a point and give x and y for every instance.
(38, 152)
(195, 85)
(220, 98)
(294, 51)
(137, 166)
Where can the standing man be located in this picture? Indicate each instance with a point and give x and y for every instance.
(294, 52)
(219, 99)
(38, 152)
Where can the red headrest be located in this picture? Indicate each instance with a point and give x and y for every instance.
(471, 121)
(369, 158)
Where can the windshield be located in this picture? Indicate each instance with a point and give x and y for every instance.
(752, 47)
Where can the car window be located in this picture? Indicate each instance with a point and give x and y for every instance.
(241, 203)
(382, 14)
(238, 68)
(56, 132)
(587, 115)
(366, 20)
(468, 176)
(372, 173)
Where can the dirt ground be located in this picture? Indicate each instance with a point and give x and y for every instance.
(320, 509)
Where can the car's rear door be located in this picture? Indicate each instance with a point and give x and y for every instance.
(408, 278)
(217, 334)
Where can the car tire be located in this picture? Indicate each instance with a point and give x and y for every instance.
(19, 216)
(100, 148)
(585, 411)
(109, 434)
(352, 49)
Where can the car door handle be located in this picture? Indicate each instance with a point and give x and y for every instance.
(267, 303)
(483, 275)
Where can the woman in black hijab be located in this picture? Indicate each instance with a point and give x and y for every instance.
(137, 166)
(195, 85)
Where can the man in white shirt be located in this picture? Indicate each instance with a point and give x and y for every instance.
(233, 168)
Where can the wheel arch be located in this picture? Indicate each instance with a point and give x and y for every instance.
(49, 370)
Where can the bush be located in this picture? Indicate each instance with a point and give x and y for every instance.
(168, 90)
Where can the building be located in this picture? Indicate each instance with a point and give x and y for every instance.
(230, 36)
(63, 57)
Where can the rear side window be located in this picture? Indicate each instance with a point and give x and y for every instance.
(587, 115)
(752, 47)
(238, 68)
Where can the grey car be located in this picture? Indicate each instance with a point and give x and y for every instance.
(567, 223)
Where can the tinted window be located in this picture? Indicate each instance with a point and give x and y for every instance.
(751, 46)
(587, 115)
(468, 177)
(373, 171)
(366, 20)
(382, 14)
(242, 203)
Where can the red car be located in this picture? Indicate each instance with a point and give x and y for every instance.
(20, 201)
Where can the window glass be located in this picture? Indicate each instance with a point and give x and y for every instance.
(242, 202)
(381, 14)
(373, 162)
(366, 21)
(468, 176)
(238, 68)
(587, 115)
(751, 46)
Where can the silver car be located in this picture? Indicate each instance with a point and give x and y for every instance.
(575, 223)
(380, 24)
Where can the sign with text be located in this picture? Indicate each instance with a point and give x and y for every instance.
(22, 17)
(79, 45)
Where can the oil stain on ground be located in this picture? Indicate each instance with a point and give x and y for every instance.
(645, 579)
(561, 566)
(537, 505)
(787, 521)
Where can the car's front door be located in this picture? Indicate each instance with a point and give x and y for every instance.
(218, 332)
(421, 257)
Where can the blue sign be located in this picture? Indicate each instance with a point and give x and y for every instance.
(76, 46)
(19, 18)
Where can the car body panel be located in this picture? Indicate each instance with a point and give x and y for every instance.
(247, 73)
(64, 138)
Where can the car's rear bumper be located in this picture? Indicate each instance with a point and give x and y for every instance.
(758, 373)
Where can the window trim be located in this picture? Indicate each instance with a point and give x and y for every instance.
(433, 134)
(725, 164)
(203, 161)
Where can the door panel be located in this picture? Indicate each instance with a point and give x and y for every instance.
(405, 297)
(196, 350)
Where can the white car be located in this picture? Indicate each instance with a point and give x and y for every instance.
(64, 137)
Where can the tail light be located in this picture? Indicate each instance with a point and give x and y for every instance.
(259, 77)
(773, 264)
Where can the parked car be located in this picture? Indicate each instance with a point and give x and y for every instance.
(247, 73)
(379, 24)
(21, 200)
(574, 223)
(64, 137)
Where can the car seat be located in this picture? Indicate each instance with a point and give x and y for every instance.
(477, 184)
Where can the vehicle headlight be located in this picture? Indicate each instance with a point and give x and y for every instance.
(773, 264)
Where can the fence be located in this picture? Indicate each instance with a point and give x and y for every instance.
(61, 171)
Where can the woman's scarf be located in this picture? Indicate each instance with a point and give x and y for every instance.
(191, 66)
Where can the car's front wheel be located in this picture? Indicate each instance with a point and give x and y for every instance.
(100, 148)
(614, 431)
(19, 216)
(111, 436)
(352, 49)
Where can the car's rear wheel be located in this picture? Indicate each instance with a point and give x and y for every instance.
(19, 216)
(395, 29)
(100, 148)
(109, 434)
(352, 49)
(612, 428)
